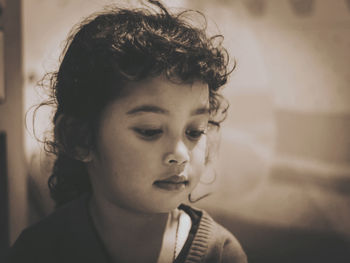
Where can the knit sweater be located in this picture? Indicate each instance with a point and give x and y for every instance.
(68, 235)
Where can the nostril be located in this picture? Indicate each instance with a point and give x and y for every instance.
(178, 159)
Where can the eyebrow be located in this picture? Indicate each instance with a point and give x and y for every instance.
(159, 110)
(147, 108)
(200, 111)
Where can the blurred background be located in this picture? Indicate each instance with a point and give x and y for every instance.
(282, 183)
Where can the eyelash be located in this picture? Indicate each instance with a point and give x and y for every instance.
(195, 135)
(153, 134)
(215, 123)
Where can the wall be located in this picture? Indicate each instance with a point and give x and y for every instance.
(12, 118)
(287, 136)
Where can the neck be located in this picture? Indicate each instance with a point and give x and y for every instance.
(120, 229)
(111, 215)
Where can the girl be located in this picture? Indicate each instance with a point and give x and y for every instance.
(136, 99)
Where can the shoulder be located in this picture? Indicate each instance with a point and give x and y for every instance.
(43, 240)
(230, 247)
(216, 242)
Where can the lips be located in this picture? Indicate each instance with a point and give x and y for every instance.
(174, 182)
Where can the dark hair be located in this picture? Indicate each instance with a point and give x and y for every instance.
(109, 49)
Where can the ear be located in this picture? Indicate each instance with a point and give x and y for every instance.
(83, 155)
(69, 124)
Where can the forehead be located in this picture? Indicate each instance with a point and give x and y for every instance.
(166, 94)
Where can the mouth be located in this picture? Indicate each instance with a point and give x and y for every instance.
(172, 183)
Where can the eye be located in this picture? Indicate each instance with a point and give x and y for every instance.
(213, 126)
(149, 134)
(195, 135)
(214, 123)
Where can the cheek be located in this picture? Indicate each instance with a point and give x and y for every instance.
(199, 151)
(125, 170)
(198, 160)
(127, 156)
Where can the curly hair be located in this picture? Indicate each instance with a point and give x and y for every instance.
(109, 49)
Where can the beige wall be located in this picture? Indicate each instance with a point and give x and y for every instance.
(12, 117)
(286, 144)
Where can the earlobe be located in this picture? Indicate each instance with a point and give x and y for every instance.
(84, 155)
(88, 158)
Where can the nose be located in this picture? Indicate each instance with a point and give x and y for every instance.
(178, 156)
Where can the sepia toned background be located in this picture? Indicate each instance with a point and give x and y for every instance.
(282, 183)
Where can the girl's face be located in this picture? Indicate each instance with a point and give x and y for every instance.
(151, 146)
